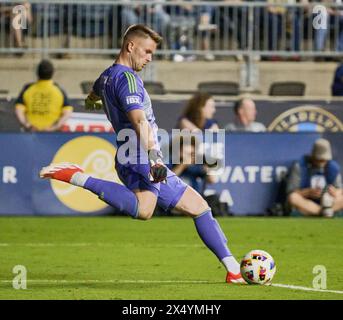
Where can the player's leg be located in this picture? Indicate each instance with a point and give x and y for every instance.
(146, 203)
(176, 194)
(209, 230)
(137, 203)
(306, 206)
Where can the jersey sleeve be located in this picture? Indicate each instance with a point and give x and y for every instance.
(96, 87)
(67, 105)
(130, 92)
(20, 99)
(66, 102)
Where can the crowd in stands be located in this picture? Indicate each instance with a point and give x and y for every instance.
(178, 24)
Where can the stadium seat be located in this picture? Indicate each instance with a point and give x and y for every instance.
(287, 88)
(154, 87)
(226, 88)
(86, 86)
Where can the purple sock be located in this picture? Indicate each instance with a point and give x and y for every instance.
(115, 195)
(212, 235)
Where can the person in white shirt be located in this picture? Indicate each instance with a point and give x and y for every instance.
(245, 111)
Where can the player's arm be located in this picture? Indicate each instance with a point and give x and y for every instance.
(142, 128)
(20, 111)
(144, 133)
(66, 113)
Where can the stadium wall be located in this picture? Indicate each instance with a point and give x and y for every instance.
(175, 76)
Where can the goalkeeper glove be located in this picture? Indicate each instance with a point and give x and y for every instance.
(92, 104)
(158, 171)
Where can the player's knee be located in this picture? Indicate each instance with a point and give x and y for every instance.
(293, 198)
(145, 214)
(199, 208)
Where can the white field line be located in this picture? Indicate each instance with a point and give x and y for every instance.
(86, 244)
(288, 286)
(51, 281)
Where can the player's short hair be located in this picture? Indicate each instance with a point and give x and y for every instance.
(45, 70)
(142, 31)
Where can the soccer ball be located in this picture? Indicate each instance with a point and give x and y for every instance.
(258, 267)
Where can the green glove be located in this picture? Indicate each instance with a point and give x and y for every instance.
(91, 104)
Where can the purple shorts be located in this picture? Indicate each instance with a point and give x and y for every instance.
(136, 176)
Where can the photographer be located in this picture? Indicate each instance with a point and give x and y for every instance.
(314, 186)
(196, 175)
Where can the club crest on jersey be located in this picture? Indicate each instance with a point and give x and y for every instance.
(132, 100)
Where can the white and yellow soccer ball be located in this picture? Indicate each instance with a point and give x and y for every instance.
(258, 267)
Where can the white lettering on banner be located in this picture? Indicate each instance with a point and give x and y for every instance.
(252, 171)
(225, 196)
(251, 174)
(85, 122)
(9, 174)
(237, 175)
(266, 174)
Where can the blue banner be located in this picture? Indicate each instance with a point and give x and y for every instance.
(254, 165)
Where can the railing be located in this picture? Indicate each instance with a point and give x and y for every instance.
(220, 28)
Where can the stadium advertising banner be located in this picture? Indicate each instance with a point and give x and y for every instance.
(23, 192)
(254, 165)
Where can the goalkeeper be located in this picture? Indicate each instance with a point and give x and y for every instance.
(148, 182)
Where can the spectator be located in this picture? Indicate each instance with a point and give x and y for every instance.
(153, 15)
(43, 105)
(7, 15)
(245, 116)
(205, 27)
(337, 85)
(314, 185)
(334, 17)
(198, 114)
(183, 22)
(276, 15)
(196, 175)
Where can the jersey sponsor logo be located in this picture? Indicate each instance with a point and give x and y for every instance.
(306, 118)
(96, 156)
(133, 100)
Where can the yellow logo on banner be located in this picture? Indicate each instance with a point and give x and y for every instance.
(306, 118)
(96, 156)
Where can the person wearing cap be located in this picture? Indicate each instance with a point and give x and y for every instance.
(314, 184)
(43, 105)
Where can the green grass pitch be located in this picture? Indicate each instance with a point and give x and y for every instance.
(122, 258)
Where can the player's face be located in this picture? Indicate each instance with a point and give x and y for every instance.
(142, 52)
(209, 109)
